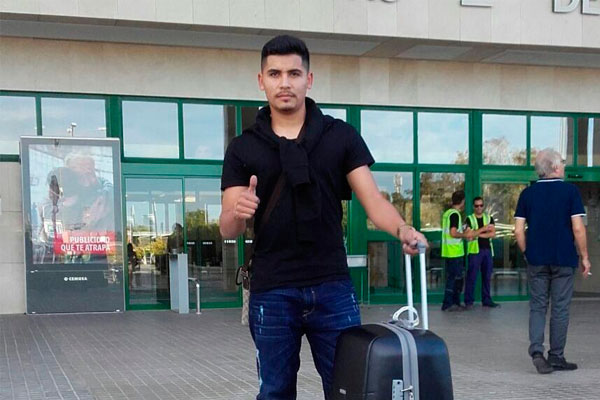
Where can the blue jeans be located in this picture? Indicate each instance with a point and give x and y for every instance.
(455, 277)
(483, 261)
(279, 318)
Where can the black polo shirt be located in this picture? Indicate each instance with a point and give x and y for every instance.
(280, 259)
(548, 207)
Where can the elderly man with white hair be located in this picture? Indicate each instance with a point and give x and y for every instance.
(554, 244)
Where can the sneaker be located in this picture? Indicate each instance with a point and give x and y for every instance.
(468, 307)
(560, 364)
(492, 305)
(455, 308)
(541, 364)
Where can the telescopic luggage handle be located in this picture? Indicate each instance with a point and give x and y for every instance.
(409, 291)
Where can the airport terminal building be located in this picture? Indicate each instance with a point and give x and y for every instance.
(141, 99)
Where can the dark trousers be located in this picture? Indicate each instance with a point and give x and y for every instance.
(455, 277)
(278, 320)
(555, 285)
(480, 261)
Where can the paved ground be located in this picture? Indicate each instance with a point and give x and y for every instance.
(162, 355)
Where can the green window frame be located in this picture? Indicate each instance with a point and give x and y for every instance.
(358, 235)
(38, 96)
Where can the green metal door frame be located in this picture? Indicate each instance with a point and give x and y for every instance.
(358, 235)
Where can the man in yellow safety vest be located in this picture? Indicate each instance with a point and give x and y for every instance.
(480, 253)
(453, 251)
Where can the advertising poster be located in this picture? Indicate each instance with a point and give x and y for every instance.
(73, 238)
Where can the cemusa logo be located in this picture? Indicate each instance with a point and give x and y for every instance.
(75, 278)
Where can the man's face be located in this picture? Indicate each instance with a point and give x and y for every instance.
(285, 81)
(85, 167)
(461, 206)
(478, 207)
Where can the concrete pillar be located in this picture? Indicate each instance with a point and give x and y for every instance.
(12, 265)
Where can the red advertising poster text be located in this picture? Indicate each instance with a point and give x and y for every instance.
(79, 243)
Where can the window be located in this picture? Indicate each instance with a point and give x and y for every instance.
(150, 129)
(389, 135)
(207, 129)
(443, 138)
(386, 268)
(504, 139)
(588, 143)
(397, 187)
(436, 196)
(17, 118)
(248, 115)
(339, 113)
(73, 117)
(552, 132)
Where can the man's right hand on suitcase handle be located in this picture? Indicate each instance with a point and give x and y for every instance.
(410, 239)
(247, 203)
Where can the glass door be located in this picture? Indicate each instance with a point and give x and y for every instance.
(386, 274)
(509, 277)
(436, 190)
(590, 194)
(212, 260)
(154, 229)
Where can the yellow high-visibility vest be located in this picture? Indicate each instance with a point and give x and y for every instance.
(473, 245)
(451, 247)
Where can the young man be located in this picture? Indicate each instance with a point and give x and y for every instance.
(555, 244)
(299, 276)
(479, 253)
(453, 251)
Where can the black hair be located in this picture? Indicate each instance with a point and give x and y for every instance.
(283, 45)
(477, 198)
(458, 197)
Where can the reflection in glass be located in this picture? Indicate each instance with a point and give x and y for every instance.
(590, 196)
(17, 118)
(552, 132)
(397, 187)
(389, 135)
(212, 260)
(339, 113)
(504, 139)
(248, 116)
(386, 268)
(345, 204)
(73, 117)
(436, 197)
(150, 129)
(588, 143)
(443, 138)
(207, 128)
(154, 229)
(509, 277)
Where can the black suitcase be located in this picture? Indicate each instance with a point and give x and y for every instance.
(393, 360)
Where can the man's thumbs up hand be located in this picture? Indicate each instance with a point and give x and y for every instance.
(253, 183)
(247, 203)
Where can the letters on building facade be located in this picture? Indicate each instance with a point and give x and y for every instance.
(559, 6)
